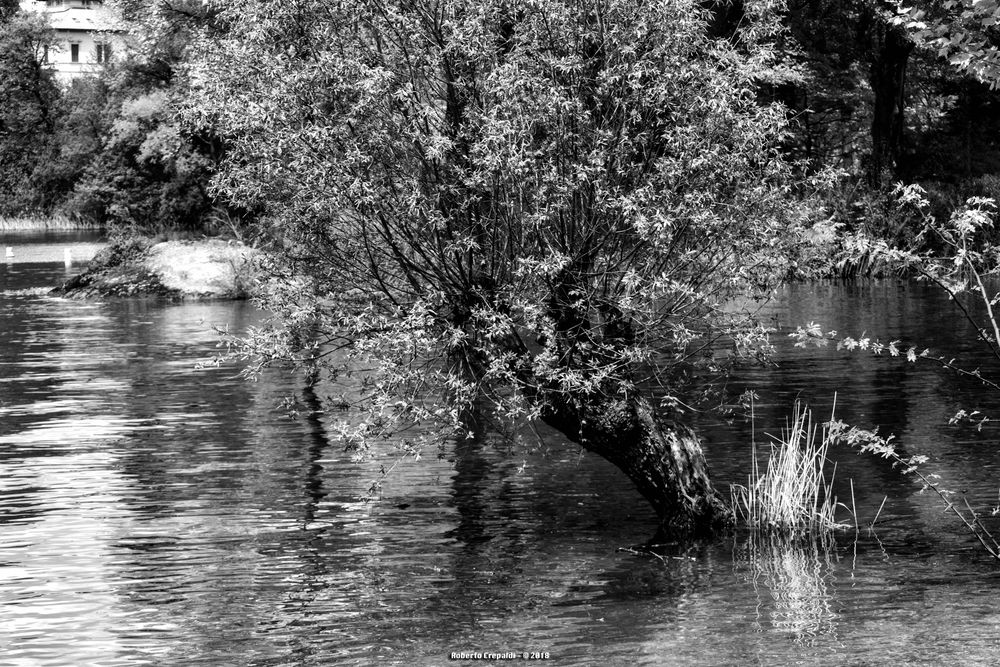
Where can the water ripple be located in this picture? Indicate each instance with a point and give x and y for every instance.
(151, 513)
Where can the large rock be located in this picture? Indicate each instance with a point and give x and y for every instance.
(209, 269)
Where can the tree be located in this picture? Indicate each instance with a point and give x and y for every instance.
(159, 37)
(963, 31)
(8, 8)
(131, 165)
(854, 62)
(145, 176)
(829, 101)
(79, 128)
(536, 211)
(28, 100)
(889, 54)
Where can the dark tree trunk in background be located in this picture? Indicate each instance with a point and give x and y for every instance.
(890, 51)
(664, 460)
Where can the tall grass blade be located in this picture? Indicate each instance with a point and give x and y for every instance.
(791, 494)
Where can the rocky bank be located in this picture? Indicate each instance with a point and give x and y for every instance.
(206, 269)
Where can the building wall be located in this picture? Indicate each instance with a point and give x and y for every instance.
(85, 35)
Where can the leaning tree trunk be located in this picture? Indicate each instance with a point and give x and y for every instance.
(664, 460)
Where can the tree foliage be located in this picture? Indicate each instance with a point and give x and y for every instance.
(28, 101)
(962, 31)
(538, 210)
(107, 148)
(146, 175)
(124, 159)
(872, 96)
(8, 8)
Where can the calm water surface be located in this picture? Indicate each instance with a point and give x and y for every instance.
(152, 512)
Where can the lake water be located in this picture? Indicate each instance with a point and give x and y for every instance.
(155, 513)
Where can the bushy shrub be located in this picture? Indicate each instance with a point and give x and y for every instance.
(147, 176)
(121, 251)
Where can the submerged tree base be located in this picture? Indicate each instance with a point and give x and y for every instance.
(664, 460)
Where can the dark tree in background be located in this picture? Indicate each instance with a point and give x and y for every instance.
(889, 51)
(29, 99)
(8, 8)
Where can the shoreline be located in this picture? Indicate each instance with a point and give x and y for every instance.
(29, 224)
(172, 270)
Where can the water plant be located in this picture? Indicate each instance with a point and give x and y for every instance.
(42, 222)
(792, 494)
(870, 442)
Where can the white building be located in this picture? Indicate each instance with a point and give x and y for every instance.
(84, 35)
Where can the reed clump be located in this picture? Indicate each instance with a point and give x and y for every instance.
(791, 494)
(42, 223)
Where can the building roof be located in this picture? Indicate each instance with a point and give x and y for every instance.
(73, 15)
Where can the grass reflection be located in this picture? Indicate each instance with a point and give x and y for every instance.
(791, 581)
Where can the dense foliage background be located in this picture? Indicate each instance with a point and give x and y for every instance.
(881, 95)
(107, 149)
